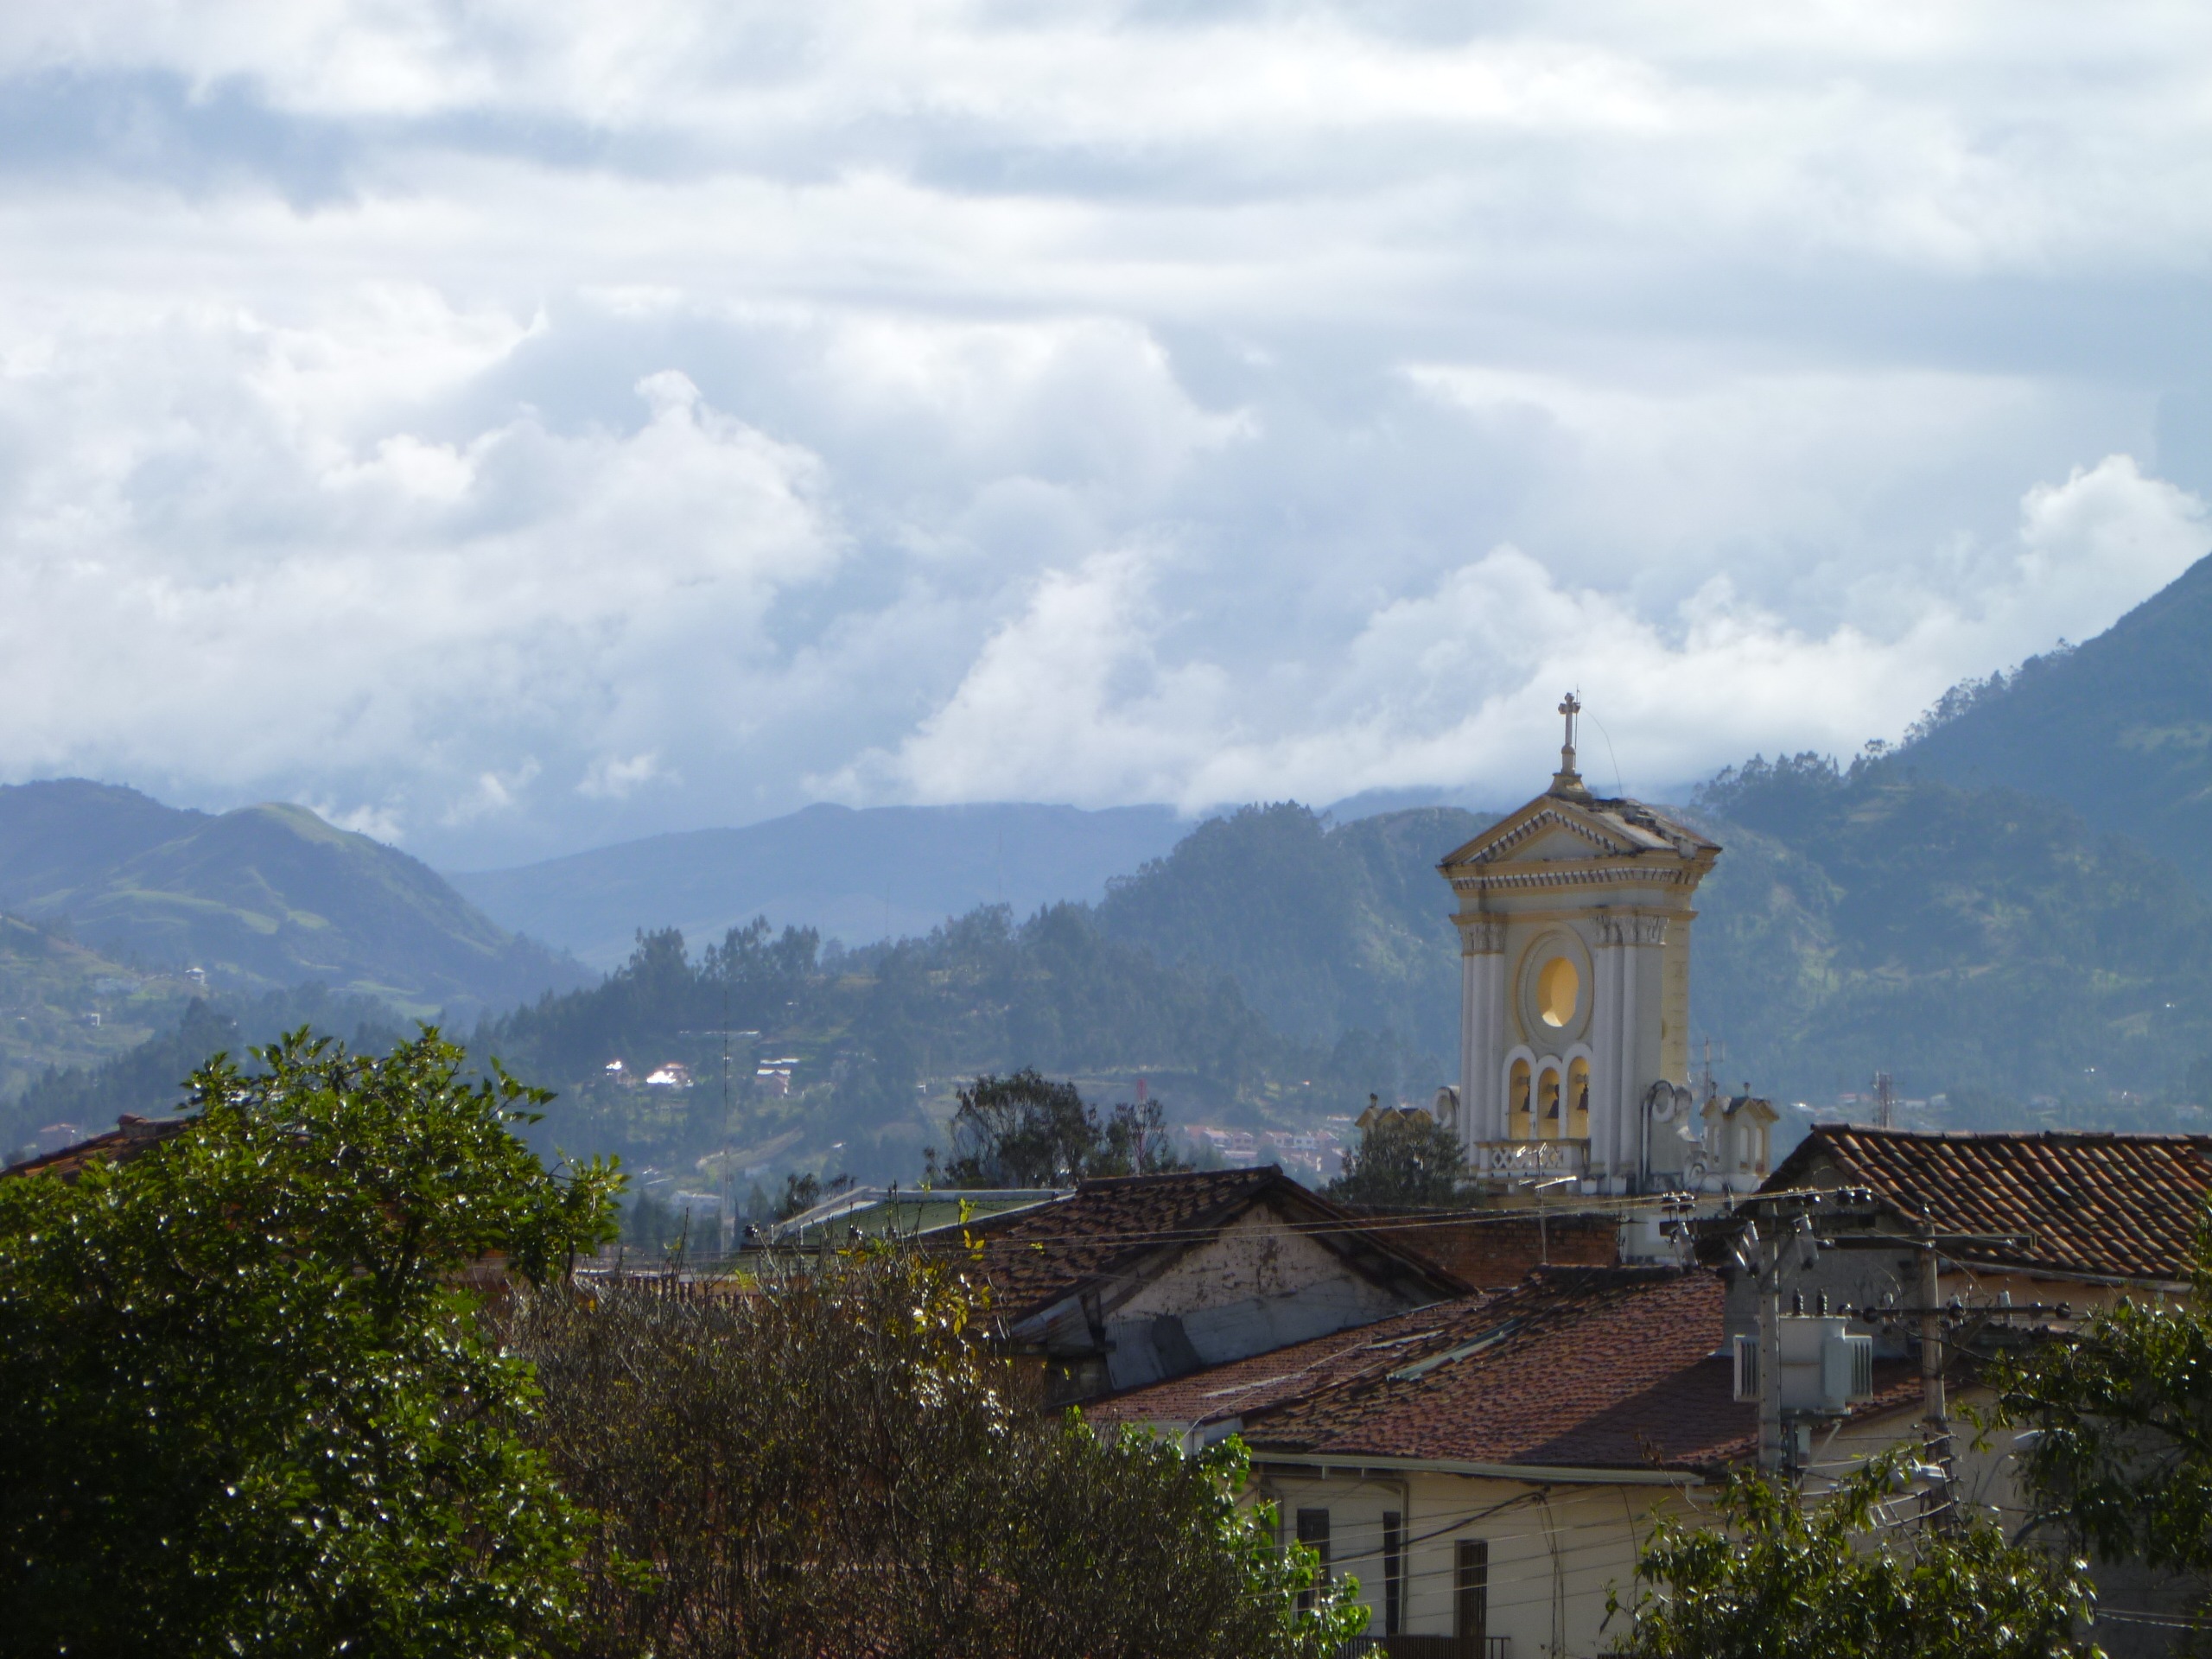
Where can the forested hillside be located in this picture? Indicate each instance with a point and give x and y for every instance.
(877, 873)
(262, 899)
(62, 1004)
(1273, 969)
(145, 1072)
(2120, 728)
(1974, 941)
(877, 1041)
(1326, 930)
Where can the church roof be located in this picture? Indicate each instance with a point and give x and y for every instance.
(1614, 828)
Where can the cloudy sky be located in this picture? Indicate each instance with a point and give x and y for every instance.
(510, 425)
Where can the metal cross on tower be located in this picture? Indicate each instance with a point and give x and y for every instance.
(1568, 781)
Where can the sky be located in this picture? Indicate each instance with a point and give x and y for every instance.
(513, 428)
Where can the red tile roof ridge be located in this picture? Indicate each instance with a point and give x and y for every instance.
(1035, 1256)
(2009, 1136)
(1406, 1386)
(1597, 1367)
(133, 1134)
(2105, 1204)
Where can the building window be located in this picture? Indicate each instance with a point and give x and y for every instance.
(1394, 1572)
(1470, 1591)
(1517, 1126)
(1578, 1100)
(1547, 1105)
(1314, 1532)
(1559, 988)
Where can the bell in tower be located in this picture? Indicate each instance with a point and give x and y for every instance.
(1574, 919)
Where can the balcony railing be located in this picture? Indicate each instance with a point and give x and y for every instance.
(1516, 1159)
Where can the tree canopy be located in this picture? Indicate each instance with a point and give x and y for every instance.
(1027, 1130)
(825, 1460)
(1843, 1577)
(2118, 1455)
(250, 1408)
(1405, 1160)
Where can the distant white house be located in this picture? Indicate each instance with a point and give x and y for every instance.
(670, 1076)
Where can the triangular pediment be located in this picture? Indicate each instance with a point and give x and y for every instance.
(1552, 827)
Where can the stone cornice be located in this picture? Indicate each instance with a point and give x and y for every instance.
(1670, 872)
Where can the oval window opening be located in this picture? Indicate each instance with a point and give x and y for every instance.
(1557, 987)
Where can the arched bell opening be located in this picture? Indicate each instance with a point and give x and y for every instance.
(1578, 1100)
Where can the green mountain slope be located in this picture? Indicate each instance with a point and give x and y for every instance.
(83, 1094)
(63, 1005)
(876, 1041)
(2120, 728)
(1968, 940)
(261, 897)
(879, 873)
(1324, 930)
(1965, 940)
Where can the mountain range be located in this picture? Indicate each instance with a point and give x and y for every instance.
(854, 876)
(165, 902)
(2120, 727)
(2004, 911)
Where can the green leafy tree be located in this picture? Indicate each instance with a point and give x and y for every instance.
(250, 1406)
(834, 1462)
(1844, 1579)
(1027, 1130)
(804, 1189)
(2118, 1458)
(1405, 1160)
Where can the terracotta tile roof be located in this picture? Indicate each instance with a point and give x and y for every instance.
(131, 1135)
(1035, 1257)
(1246, 1386)
(1581, 1367)
(2124, 1206)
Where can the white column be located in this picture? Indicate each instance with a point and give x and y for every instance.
(1606, 1018)
(1632, 1015)
(1482, 961)
(1472, 1105)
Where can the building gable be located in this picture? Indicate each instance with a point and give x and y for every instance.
(1134, 1279)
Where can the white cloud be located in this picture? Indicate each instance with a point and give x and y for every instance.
(612, 777)
(378, 822)
(1070, 701)
(548, 421)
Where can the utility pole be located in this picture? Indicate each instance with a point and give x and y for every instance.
(1884, 1103)
(1931, 1340)
(1770, 1348)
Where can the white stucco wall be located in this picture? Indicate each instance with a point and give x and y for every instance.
(1258, 1285)
(1555, 1552)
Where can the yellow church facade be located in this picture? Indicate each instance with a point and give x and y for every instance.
(1574, 916)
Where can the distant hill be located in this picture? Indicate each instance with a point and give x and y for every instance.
(2120, 728)
(64, 1005)
(259, 899)
(145, 1072)
(1972, 941)
(878, 873)
(1324, 930)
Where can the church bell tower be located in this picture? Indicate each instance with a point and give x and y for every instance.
(1574, 916)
